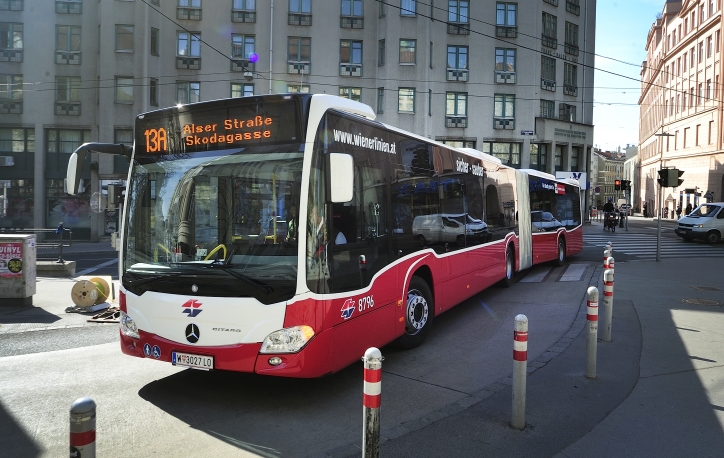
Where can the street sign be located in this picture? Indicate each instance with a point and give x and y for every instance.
(526, 132)
(5, 183)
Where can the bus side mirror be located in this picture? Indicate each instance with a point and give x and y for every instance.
(340, 178)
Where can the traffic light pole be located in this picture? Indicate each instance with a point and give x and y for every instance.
(658, 232)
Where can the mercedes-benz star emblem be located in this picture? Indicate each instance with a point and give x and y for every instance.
(192, 333)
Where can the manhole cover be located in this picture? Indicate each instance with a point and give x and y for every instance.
(706, 288)
(701, 302)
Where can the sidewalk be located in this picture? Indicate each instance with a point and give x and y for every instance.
(658, 390)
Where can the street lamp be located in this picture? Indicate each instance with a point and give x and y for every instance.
(659, 206)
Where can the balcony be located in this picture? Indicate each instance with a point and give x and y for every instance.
(67, 108)
(350, 69)
(67, 57)
(11, 5)
(243, 16)
(188, 63)
(504, 123)
(14, 107)
(458, 29)
(569, 89)
(189, 14)
(349, 22)
(456, 121)
(505, 31)
(242, 65)
(457, 74)
(573, 7)
(548, 85)
(571, 49)
(300, 68)
(505, 77)
(548, 41)
(11, 55)
(300, 19)
(62, 7)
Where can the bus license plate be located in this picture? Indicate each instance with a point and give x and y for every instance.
(195, 361)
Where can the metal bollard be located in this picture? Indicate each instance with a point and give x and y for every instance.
(592, 342)
(60, 230)
(371, 403)
(520, 361)
(83, 428)
(607, 304)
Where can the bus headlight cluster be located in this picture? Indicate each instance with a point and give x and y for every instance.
(287, 340)
(128, 326)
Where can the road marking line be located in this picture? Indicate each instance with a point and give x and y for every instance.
(99, 266)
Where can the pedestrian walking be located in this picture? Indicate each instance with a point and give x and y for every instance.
(688, 208)
(646, 211)
(678, 212)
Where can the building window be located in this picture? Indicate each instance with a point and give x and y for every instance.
(350, 58)
(65, 141)
(558, 158)
(300, 12)
(67, 45)
(701, 52)
(547, 109)
(189, 10)
(457, 11)
(153, 92)
(567, 112)
(708, 89)
(67, 89)
(154, 41)
(408, 7)
(429, 102)
(572, 6)
(550, 30)
(709, 46)
(352, 14)
(508, 153)
(124, 38)
(380, 100)
(571, 44)
(68, 6)
(298, 55)
(242, 47)
(352, 93)
(700, 100)
(298, 88)
(457, 63)
(242, 89)
(243, 11)
(12, 5)
(539, 156)
(188, 92)
(124, 89)
(570, 79)
(11, 94)
(11, 42)
(548, 73)
(123, 136)
(407, 51)
(381, 53)
(189, 44)
(506, 20)
(456, 109)
(504, 106)
(406, 100)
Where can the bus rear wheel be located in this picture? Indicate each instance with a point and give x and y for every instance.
(561, 259)
(509, 267)
(418, 314)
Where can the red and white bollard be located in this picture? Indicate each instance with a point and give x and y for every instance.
(83, 428)
(371, 403)
(592, 342)
(520, 361)
(607, 303)
(610, 263)
(606, 255)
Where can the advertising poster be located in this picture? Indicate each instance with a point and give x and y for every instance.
(11, 259)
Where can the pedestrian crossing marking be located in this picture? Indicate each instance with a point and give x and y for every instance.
(571, 272)
(574, 272)
(643, 246)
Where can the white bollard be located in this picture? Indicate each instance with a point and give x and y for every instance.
(371, 399)
(592, 342)
(607, 304)
(606, 255)
(83, 428)
(520, 361)
(610, 264)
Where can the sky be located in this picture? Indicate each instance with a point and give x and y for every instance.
(622, 27)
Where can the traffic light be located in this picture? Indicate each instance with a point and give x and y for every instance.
(625, 185)
(675, 178)
(617, 185)
(663, 178)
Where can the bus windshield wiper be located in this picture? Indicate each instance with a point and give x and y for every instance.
(143, 281)
(267, 289)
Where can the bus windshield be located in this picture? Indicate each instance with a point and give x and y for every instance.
(214, 217)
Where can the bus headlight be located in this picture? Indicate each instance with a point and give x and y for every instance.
(287, 340)
(128, 326)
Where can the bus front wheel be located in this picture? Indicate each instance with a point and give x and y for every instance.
(418, 314)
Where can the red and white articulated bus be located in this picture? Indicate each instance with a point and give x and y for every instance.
(286, 234)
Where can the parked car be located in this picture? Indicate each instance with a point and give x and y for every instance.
(706, 222)
(445, 227)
